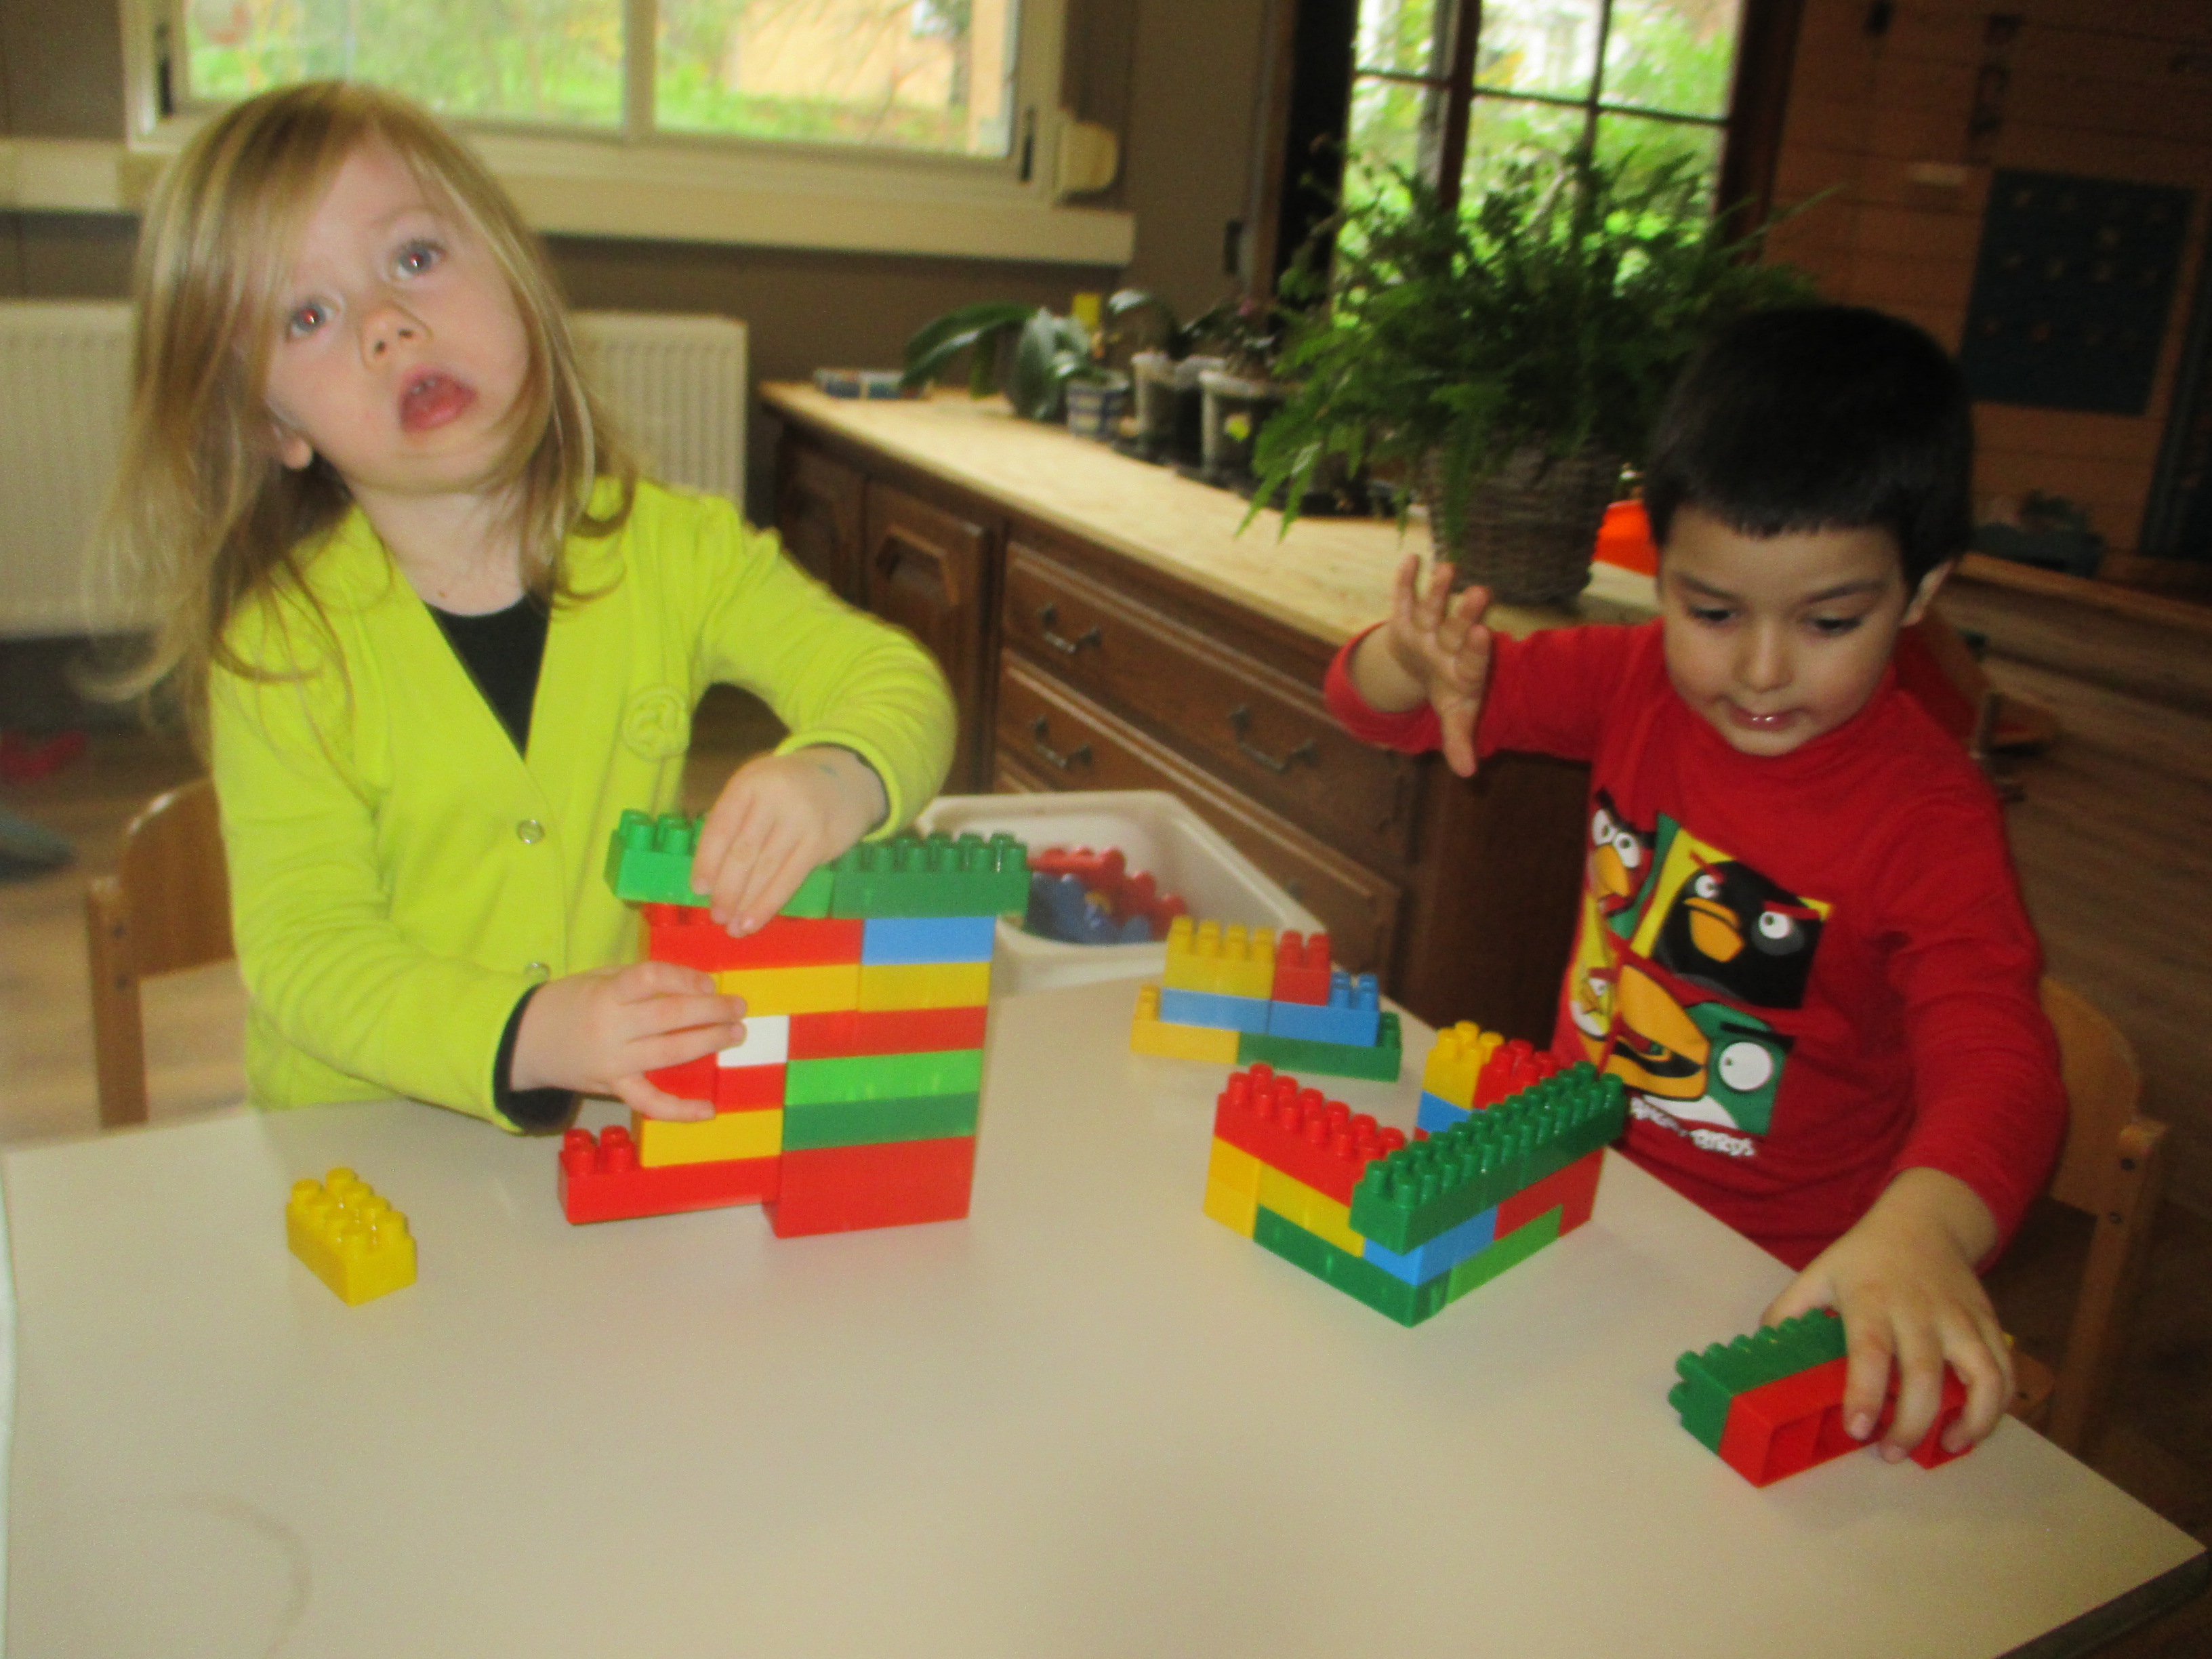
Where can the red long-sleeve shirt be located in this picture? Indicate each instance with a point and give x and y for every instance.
(1813, 970)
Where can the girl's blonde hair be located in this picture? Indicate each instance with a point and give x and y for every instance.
(204, 513)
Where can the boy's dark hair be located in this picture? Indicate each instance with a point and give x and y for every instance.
(1821, 417)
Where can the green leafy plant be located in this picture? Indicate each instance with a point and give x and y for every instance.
(1048, 350)
(1553, 314)
(1242, 329)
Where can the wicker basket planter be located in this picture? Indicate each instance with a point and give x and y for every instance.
(1527, 531)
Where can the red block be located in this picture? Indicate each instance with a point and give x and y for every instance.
(686, 934)
(1571, 1191)
(600, 1180)
(1301, 969)
(886, 1031)
(836, 1189)
(748, 1088)
(1513, 1067)
(1103, 870)
(1310, 1138)
(1795, 1422)
(695, 1079)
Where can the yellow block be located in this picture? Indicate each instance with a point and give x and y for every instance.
(1457, 1060)
(1233, 961)
(352, 1241)
(815, 990)
(1151, 1035)
(1233, 1167)
(718, 1138)
(925, 985)
(1236, 1211)
(1317, 1212)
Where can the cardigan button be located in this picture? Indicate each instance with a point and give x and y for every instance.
(530, 832)
(537, 971)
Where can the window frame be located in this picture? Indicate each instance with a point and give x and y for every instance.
(632, 179)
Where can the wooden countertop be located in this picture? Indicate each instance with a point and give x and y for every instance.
(1327, 579)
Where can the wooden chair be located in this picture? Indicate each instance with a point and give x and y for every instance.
(167, 907)
(2113, 1167)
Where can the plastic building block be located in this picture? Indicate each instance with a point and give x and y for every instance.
(939, 876)
(1711, 1380)
(1127, 899)
(1571, 1191)
(1511, 1069)
(1352, 1015)
(831, 1189)
(1409, 1304)
(1376, 1062)
(352, 1240)
(650, 859)
(1435, 1114)
(767, 1043)
(1317, 1212)
(1150, 1035)
(1455, 1061)
(718, 1139)
(1440, 1254)
(695, 1079)
(811, 901)
(927, 939)
(1510, 1250)
(1233, 962)
(601, 1180)
(1434, 1184)
(925, 985)
(1232, 1186)
(1301, 968)
(871, 1122)
(1318, 1141)
(1061, 907)
(810, 990)
(1213, 1010)
(884, 1076)
(886, 1031)
(687, 935)
(748, 1088)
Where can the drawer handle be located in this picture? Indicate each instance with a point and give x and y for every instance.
(1048, 615)
(1241, 717)
(1078, 756)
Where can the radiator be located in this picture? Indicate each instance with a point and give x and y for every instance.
(676, 384)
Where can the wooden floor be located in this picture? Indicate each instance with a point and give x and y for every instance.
(2111, 839)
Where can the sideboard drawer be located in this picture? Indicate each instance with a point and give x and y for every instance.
(1050, 737)
(1267, 733)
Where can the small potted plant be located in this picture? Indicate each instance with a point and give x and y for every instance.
(1030, 353)
(1241, 395)
(1169, 406)
(1507, 358)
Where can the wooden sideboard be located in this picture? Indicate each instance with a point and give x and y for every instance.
(1097, 636)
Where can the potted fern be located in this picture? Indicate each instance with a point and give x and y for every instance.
(1506, 359)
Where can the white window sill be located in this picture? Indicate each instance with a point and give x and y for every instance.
(672, 193)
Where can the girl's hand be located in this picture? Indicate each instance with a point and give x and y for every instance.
(1904, 1281)
(778, 817)
(600, 1032)
(1435, 650)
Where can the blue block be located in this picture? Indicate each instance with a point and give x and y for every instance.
(1212, 1009)
(1438, 1114)
(1352, 1015)
(1439, 1255)
(888, 940)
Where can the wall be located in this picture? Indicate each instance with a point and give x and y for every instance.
(2107, 91)
(1185, 72)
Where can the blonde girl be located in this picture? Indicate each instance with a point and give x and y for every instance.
(437, 633)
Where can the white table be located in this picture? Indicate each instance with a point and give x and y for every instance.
(1086, 1421)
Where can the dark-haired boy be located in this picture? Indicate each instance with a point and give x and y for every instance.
(1802, 943)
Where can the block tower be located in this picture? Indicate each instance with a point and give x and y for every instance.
(1240, 997)
(853, 1100)
(1408, 1228)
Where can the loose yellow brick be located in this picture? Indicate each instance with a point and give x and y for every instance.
(1151, 1035)
(1232, 961)
(1457, 1060)
(712, 1141)
(811, 990)
(352, 1240)
(925, 985)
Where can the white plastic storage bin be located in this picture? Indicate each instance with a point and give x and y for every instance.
(1158, 834)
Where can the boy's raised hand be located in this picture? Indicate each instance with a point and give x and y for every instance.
(777, 817)
(600, 1032)
(1436, 651)
(1903, 1280)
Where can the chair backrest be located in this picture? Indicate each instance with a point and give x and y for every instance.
(166, 909)
(2104, 1088)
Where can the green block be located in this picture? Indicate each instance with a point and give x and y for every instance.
(1430, 1186)
(871, 1122)
(811, 901)
(1409, 1304)
(650, 859)
(883, 1077)
(1712, 1379)
(1304, 1057)
(939, 876)
(1510, 1251)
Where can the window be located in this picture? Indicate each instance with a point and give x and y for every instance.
(930, 76)
(1452, 90)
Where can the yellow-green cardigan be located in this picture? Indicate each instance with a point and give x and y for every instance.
(400, 876)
